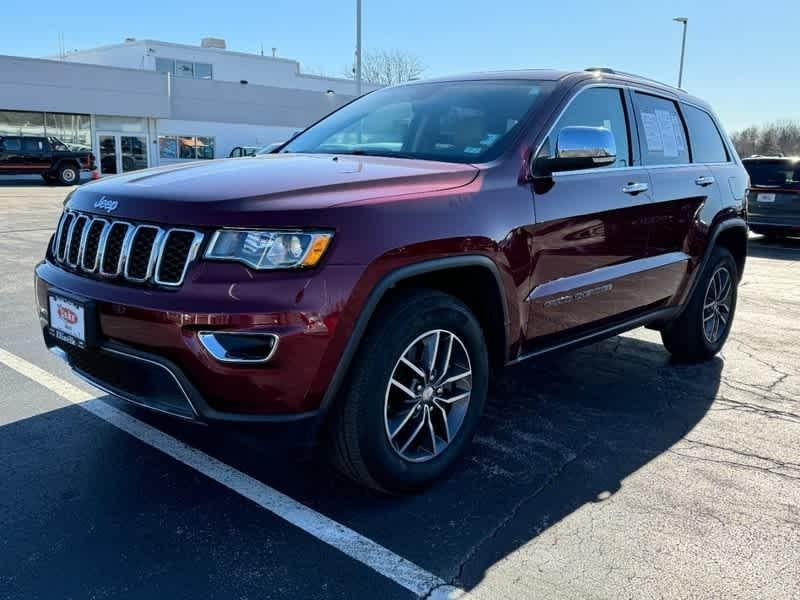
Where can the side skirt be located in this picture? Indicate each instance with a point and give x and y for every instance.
(595, 335)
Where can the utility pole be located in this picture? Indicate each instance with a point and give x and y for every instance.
(358, 47)
(685, 22)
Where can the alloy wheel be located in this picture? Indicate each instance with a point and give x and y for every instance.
(717, 305)
(428, 395)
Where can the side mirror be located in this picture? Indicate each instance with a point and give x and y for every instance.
(577, 148)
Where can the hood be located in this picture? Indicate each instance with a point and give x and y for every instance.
(232, 191)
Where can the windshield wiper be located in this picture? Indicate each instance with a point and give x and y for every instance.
(386, 154)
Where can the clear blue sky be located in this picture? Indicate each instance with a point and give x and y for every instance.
(741, 55)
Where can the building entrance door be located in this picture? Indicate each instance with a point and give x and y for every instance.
(121, 153)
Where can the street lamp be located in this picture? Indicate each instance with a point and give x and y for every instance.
(358, 48)
(685, 23)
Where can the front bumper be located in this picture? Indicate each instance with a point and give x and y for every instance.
(148, 350)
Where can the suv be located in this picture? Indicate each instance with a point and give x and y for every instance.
(46, 156)
(773, 199)
(361, 285)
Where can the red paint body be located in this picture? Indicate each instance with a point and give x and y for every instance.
(388, 213)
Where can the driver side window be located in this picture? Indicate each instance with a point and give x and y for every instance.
(596, 107)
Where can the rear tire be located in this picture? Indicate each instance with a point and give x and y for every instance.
(422, 340)
(703, 327)
(68, 174)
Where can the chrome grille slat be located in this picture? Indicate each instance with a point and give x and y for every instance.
(133, 252)
(91, 249)
(75, 239)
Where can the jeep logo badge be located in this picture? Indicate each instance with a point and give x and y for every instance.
(106, 204)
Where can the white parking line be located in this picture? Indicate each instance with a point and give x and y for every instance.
(356, 546)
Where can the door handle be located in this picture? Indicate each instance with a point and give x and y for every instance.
(634, 188)
(704, 180)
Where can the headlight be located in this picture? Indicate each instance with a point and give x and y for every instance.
(269, 249)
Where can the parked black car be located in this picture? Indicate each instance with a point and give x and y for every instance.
(46, 156)
(773, 199)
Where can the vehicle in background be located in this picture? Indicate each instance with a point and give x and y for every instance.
(773, 198)
(46, 156)
(240, 151)
(362, 285)
(270, 148)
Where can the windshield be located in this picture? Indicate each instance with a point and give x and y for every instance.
(465, 121)
(774, 173)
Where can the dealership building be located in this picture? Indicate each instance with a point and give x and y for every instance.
(144, 103)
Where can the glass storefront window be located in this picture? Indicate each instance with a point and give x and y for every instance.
(73, 130)
(168, 146)
(21, 123)
(120, 124)
(186, 147)
(205, 147)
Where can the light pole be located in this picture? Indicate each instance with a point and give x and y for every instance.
(685, 23)
(358, 47)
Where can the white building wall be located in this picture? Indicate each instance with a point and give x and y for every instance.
(46, 85)
(227, 65)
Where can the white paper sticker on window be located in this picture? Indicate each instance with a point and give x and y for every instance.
(652, 134)
(679, 135)
(667, 129)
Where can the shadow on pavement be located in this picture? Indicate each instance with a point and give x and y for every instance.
(558, 434)
(787, 248)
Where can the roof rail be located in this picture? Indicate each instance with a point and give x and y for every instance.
(615, 72)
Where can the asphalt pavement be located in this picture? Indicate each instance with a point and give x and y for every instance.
(606, 472)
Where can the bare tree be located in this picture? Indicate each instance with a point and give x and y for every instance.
(388, 67)
(778, 138)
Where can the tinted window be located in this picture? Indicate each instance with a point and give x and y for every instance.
(32, 145)
(12, 144)
(184, 69)
(774, 173)
(661, 131)
(707, 145)
(202, 71)
(165, 65)
(597, 107)
(461, 121)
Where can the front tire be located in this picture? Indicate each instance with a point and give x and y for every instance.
(414, 395)
(68, 175)
(703, 327)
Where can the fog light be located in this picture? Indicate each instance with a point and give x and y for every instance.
(232, 347)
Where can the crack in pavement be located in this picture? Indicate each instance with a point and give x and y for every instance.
(511, 515)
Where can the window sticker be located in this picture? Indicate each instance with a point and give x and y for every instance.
(679, 136)
(667, 129)
(472, 150)
(652, 133)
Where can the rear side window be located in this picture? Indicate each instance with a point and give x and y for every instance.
(707, 144)
(32, 145)
(12, 144)
(661, 131)
(597, 107)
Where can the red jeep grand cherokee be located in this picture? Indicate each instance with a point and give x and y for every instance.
(361, 284)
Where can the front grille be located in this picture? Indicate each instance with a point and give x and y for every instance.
(93, 235)
(141, 256)
(129, 251)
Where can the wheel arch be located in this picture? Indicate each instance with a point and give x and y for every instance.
(449, 271)
(732, 235)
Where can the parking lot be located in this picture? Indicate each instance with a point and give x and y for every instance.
(608, 472)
